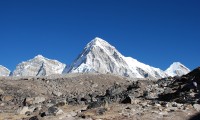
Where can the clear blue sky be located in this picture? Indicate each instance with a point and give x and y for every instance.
(156, 32)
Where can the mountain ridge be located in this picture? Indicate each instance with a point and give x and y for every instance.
(97, 56)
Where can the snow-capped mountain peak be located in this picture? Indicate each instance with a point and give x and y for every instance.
(177, 69)
(100, 56)
(39, 57)
(4, 71)
(39, 66)
(98, 42)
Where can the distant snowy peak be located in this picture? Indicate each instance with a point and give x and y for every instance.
(4, 71)
(39, 66)
(177, 69)
(100, 56)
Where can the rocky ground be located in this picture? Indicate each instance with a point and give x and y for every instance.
(99, 97)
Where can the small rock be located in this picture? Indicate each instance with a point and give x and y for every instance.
(73, 114)
(101, 111)
(174, 104)
(59, 112)
(7, 98)
(129, 100)
(94, 104)
(26, 110)
(197, 107)
(163, 113)
(34, 118)
(56, 93)
(157, 104)
(55, 111)
(128, 112)
(2, 104)
(144, 104)
(94, 85)
(28, 113)
(29, 101)
(1, 91)
(38, 100)
(22, 110)
(35, 100)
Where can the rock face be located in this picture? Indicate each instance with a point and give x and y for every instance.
(39, 66)
(177, 69)
(184, 89)
(4, 71)
(99, 56)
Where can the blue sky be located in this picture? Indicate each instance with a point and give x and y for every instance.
(156, 32)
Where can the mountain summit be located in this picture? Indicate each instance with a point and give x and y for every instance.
(99, 56)
(177, 69)
(4, 71)
(39, 66)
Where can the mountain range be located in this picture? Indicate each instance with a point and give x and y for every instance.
(97, 57)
